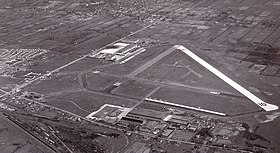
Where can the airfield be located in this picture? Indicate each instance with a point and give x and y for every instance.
(149, 64)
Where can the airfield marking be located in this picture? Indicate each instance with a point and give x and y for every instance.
(242, 90)
(151, 62)
(184, 106)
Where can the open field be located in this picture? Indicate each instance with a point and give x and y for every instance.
(55, 84)
(84, 102)
(8, 83)
(85, 65)
(54, 63)
(99, 82)
(177, 68)
(226, 104)
(134, 89)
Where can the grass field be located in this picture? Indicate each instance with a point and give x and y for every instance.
(220, 103)
(134, 89)
(84, 102)
(7, 83)
(99, 82)
(178, 68)
(55, 84)
(54, 63)
(85, 64)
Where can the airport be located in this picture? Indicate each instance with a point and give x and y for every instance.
(149, 76)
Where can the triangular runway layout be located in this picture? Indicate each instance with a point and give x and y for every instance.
(264, 105)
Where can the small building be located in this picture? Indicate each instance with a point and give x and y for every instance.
(167, 132)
